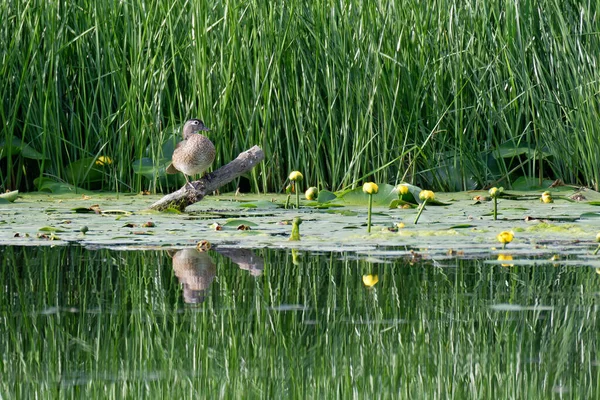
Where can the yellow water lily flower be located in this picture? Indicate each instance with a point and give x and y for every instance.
(370, 188)
(103, 160)
(402, 190)
(296, 176)
(370, 280)
(311, 193)
(598, 237)
(494, 192)
(426, 195)
(505, 237)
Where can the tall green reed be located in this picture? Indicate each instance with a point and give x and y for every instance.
(424, 92)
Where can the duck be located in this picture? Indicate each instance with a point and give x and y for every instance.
(195, 153)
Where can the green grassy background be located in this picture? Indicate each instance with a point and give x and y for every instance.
(444, 94)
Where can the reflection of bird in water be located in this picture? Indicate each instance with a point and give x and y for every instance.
(195, 271)
(245, 259)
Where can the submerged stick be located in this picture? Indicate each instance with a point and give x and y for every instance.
(186, 196)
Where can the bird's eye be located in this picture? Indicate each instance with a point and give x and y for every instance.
(195, 122)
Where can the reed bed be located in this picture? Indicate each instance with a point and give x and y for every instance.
(426, 92)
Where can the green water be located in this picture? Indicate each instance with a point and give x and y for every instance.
(271, 324)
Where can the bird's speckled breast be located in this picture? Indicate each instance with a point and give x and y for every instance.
(194, 155)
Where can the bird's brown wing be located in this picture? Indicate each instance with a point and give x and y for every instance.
(171, 169)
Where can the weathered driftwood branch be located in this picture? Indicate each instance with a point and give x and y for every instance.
(186, 196)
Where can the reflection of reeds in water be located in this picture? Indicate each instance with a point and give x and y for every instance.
(89, 324)
(195, 271)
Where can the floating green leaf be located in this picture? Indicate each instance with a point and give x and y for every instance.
(86, 170)
(50, 229)
(325, 196)
(17, 146)
(526, 184)
(49, 185)
(237, 222)
(383, 198)
(10, 196)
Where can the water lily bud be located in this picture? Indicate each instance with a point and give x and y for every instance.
(505, 237)
(494, 192)
(426, 195)
(370, 188)
(598, 237)
(296, 176)
(311, 193)
(402, 190)
(370, 280)
(546, 198)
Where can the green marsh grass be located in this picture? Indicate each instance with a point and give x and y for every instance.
(424, 92)
(110, 324)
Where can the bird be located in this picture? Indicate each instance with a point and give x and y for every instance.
(195, 153)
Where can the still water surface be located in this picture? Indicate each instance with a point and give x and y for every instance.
(233, 323)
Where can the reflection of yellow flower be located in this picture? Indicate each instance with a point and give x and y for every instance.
(546, 198)
(370, 188)
(505, 257)
(597, 240)
(505, 237)
(311, 193)
(103, 160)
(370, 280)
(426, 195)
(402, 189)
(296, 176)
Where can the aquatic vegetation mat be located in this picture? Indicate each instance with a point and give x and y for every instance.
(459, 223)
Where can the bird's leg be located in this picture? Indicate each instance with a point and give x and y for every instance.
(188, 182)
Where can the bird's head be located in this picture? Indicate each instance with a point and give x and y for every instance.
(192, 126)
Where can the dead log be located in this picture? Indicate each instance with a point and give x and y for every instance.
(187, 195)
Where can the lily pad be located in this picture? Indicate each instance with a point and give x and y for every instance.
(17, 146)
(50, 229)
(512, 149)
(237, 222)
(356, 197)
(154, 166)
(325, 196)
(50, 185)
(10, 196)
(590, 215)
(88, 170)
(526, 184)
(262, 204)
